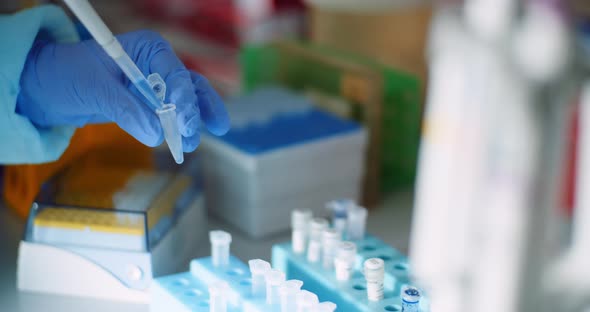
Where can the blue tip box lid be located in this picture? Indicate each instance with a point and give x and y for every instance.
(272, 118)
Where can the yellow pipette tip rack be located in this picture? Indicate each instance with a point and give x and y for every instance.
(91, 220)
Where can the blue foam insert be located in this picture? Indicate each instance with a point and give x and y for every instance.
(273, 117)
(350, 295)
(286, 130)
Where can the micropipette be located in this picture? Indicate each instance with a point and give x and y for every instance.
(101, 33)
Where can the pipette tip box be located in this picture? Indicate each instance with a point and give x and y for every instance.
(95, 250)
(282, 153)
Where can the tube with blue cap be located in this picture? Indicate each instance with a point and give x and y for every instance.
(153, 90)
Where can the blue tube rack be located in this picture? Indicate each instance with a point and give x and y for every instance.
(350, 296)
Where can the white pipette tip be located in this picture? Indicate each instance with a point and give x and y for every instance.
(220, 242)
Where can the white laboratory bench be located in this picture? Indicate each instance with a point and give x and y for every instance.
(391, 221)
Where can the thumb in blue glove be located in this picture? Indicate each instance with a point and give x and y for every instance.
(78, 84)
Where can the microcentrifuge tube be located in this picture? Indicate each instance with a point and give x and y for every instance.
(410, 298)
(220, 241)
(218, 299)
(274, 279)
(288, 293)
(306, 301)
(330, 240)
(316, 228)
(258, 269)
(339, 209)
(299, 224)
(357, 219)
(344, 260)
(374, 270)
(325, 306)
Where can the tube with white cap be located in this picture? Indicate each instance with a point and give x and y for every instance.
(344, 260)
(306, 301)
(218, 297)
(101, 33)
(220, 241)
(258, 269)
(314, 247)
(330, 239)
(274, 279)
(357, 220)
(288, 292)
(374, 270)
(339, 209)
(299, 223)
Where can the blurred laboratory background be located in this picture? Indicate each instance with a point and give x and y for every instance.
(459, 125)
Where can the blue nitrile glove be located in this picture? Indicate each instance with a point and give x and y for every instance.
(77, 84)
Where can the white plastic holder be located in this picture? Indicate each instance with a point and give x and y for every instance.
(49, 269)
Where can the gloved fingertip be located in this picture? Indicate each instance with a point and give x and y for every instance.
(189, 124)
(154, 139)
(190, 144)
(219, 126)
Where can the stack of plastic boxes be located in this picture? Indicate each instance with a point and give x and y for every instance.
(281, 154)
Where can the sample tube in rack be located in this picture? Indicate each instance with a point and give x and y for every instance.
(220, 242)
(258, 269)
(299, 223)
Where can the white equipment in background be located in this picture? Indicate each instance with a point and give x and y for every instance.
(485, 231)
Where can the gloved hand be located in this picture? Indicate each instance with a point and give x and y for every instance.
(77, 84)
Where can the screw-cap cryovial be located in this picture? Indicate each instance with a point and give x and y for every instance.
(273, 279)
(330, 240)
(220, 241)
(374, 270)
(345, 260)
(410, 298)
(339, 209)
(300, 219)
(258, 269)
(357, 219)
